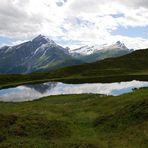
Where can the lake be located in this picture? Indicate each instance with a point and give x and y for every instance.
(36, 91)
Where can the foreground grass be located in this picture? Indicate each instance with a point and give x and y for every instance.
(77, 121)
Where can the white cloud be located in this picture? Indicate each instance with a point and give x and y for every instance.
(82, 20)
(136, 3)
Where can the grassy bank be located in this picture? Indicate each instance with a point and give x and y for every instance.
(7, 81)
(77, 121)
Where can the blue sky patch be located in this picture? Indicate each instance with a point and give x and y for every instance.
(132, 31)
(117, 15)
(62, 41)
(5, 40)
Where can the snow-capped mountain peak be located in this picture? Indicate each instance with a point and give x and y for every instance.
(41, 39)
(36, 54)
(90, 49)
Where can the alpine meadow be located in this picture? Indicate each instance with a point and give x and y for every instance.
(73, 74)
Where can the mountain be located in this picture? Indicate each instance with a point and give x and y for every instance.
(38, 54)
(127, 67)
(92, 53)
(42, 54)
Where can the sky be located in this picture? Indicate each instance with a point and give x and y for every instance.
(75, 23)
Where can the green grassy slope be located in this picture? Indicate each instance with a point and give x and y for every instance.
(77, 121)
(134, 63)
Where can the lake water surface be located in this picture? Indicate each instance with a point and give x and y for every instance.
(36, 91)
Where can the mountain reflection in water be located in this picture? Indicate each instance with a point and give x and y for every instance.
(36, 91)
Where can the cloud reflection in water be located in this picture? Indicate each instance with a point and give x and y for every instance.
(36, 91)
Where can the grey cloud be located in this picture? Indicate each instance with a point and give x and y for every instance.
(136, 3)
(15, 21)
(94, 5)
(85, 5)
(59, 4)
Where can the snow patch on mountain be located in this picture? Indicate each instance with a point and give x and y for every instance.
(91, 49)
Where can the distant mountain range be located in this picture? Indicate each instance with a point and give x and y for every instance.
(125, 68)
(92, 53)
(43, 54)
